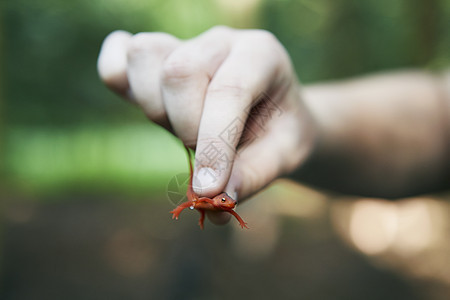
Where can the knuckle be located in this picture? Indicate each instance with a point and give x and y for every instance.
(118, 34)
(233, 89)
(262, 36)
(154, 42)
(112, 56)
(267, 44)
(220, 29)
(177, 68)
(211, 151)
(262, 40)
(139, 42)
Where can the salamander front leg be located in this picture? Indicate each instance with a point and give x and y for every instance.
(241, 222)
(177, 211)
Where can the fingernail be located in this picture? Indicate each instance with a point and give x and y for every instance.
(204, 179)
(231, 189)
(235, 196)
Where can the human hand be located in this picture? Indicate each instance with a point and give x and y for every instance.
(214, 91)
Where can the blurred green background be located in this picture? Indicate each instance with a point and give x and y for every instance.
(68, 144)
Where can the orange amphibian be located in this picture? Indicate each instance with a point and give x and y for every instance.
(221, 202)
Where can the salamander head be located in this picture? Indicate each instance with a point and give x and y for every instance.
(224, 201)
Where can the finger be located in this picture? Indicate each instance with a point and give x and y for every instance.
(186, 74)
(253, 66)
(112, 62)
(146, 53)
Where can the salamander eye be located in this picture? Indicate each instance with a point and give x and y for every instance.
(223, 200)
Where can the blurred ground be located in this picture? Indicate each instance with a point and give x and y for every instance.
(108, 248)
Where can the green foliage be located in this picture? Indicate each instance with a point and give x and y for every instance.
(330, 39)
(138, 157)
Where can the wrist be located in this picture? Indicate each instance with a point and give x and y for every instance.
(307, 133)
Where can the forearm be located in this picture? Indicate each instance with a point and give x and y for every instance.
(381, 136)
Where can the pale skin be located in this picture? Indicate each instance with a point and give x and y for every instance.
(385, 135)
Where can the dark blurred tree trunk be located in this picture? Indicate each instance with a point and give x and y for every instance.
(2, 94)
(425, 17)
(2, 124)
(346, 40)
